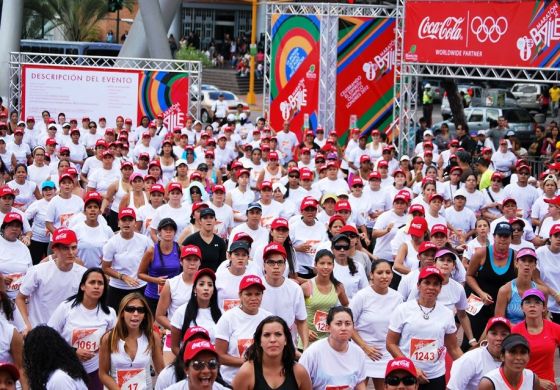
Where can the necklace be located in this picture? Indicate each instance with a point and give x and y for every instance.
(426, 315)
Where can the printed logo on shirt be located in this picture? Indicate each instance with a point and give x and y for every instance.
(313, 246)
(87, 339)
(320, 321)
(423, 350)
(64, 219)
(15, 284)
(131, 379)
(338, 387)
(231, 304)
(242, 345)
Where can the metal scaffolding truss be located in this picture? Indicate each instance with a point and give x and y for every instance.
(328, 14)
(17, 59)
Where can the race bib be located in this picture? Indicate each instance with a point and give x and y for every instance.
(320, 321)
(87, 339)
(313, 246)
(242, 345)
(423, 350)
(231, 304)
(267, 221)
(131, 379)
(15, 284)
(474, 305)
(167, 341)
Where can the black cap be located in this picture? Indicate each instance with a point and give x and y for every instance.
(240, 244)
(167, 222)
(207, 211)
(503, 228)
(339, 237)
(513, 340)
(254, 205)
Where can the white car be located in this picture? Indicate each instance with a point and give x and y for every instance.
(528, 95)
(209, 97)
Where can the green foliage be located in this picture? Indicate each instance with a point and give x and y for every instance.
(191, 54)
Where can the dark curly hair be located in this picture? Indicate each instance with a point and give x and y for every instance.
(44, 352)
(255, 352)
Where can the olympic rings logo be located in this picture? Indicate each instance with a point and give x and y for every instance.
(489, 29)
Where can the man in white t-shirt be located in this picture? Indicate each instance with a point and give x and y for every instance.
(63, 206)
(252, 227)
(524, 194)
(224, 212)
(49, 283)
(287, 141)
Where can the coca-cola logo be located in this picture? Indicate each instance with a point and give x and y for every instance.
(449, 29)
(401, 363)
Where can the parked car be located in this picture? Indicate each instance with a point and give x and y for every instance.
(528, 95)
(476, 93)
(209, 97)
(204, 87)
(483, 118)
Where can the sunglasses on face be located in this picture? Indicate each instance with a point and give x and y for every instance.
(132, 309)
(395, 380)
(273, 263)
(200, 365)
(293, 177)
(341, 247)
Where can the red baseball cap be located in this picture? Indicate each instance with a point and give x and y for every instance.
(174, 186)
(11, 217)
(279, 223)
(273, 156)
(401, 364)
(5, 190)
(342, 205)
(507, 200)
(242, 172)
(250, 280)
(418, 226)
(555, 229)
(416, 208)
(436, 196)
(306, 175)
(127, 164)
(374, 175)
(100, 142)
(236, 164)
(265, 184)
(454, 142)
(127, 212)
(157, 188)
(198, 205)
(93, 196)
(144, 155)
(308, 201)
(429, 271)
(204, 272)
(30, 119)
(191, 250)
(438, 228)
(365, 158)
(497, 320)
(12, 370)
(555, 201)
(65, 175)
(427, 246)
(218, 188)
(383, 164)
(242, 236)
(459, 169)
(198, 331)
(197, 346)
(274, 247)
(356, 181)
(51, 142)
(64, 236)
(348, 229)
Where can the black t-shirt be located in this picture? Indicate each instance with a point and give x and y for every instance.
(212, 254)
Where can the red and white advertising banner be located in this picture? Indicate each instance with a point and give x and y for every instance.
(488, 33)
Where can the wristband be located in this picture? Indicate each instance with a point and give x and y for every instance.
(473, 340)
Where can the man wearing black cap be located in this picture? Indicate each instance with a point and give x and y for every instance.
(213, 248)
(252, 226)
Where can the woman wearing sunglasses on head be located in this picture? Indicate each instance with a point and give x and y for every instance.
(83, 318)
(201, 367)
(127, 351)
(271, 360)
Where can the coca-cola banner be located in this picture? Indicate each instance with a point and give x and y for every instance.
(365, 74)
(489, 33)
(294, 77)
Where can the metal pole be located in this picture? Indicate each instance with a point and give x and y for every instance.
(251, 99)
(118, 35)
(10, 35)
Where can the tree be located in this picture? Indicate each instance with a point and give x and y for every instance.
(455, 102)
(78, 19)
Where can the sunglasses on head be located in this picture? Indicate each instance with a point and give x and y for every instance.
(200, 365)
(395, 380)
(132, 309)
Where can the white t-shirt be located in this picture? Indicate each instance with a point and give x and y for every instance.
(258, 235)
(90, 243)
(38, 174)
(328, 186)
(184, 385)
(525, 196)
(332, 369)
(452, 295)
(540, 208)
(544, 229)
(145, 214)
(61, 380)
(475, 200)
(313, 235)
(383, 244)
(102, 178)
(47, 286)
(203, 318)
(237, 328)
(227, 285)
(473, 245)
(61, 210)
(371, 320)
(181, 216)
(37, 211)
(83, 328)
(468, 370)
(550, 273)
(15, 261)
(352, 283)
(125, 256)
(224, 220)
(423, 340)
(91, 165)
(25, 193)
(286, 301)
(464, 220)
(286, 143)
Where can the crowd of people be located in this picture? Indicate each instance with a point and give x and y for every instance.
(237, 256)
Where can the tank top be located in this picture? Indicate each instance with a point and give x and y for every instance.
(289, 383)
(317, 306)
(167, 172)
(162, 265)
(118, 197)
(132, 374)
(131, 201)
(513, 308)
(500, 383)
(180, 294)
(411, 260)
(272, 177)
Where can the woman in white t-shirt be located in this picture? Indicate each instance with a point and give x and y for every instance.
(26, 191)
(406, 259)
(38, 171)
(475, 199)
(15, 259)
(423, 329)
(372, 308)
(146, 212)
(335, 362)
(482, 239)
(51, 363)
(37, 211)
(553, 217)
(240, 197)
(350, 273)
(493, 197)
(200, 310)
(236, 327)
(92, 235)
(539, 210)
(174, 209)
(433, 214)
(83, 319)
(128, 350)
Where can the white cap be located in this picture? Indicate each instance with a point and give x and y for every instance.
(427, 85)
(481, 132)
(181, 161)
(405, 157)
(197, 122)
(460, 192)
(243, 116)
(231, 118)
(342, 192)
(428, 132)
